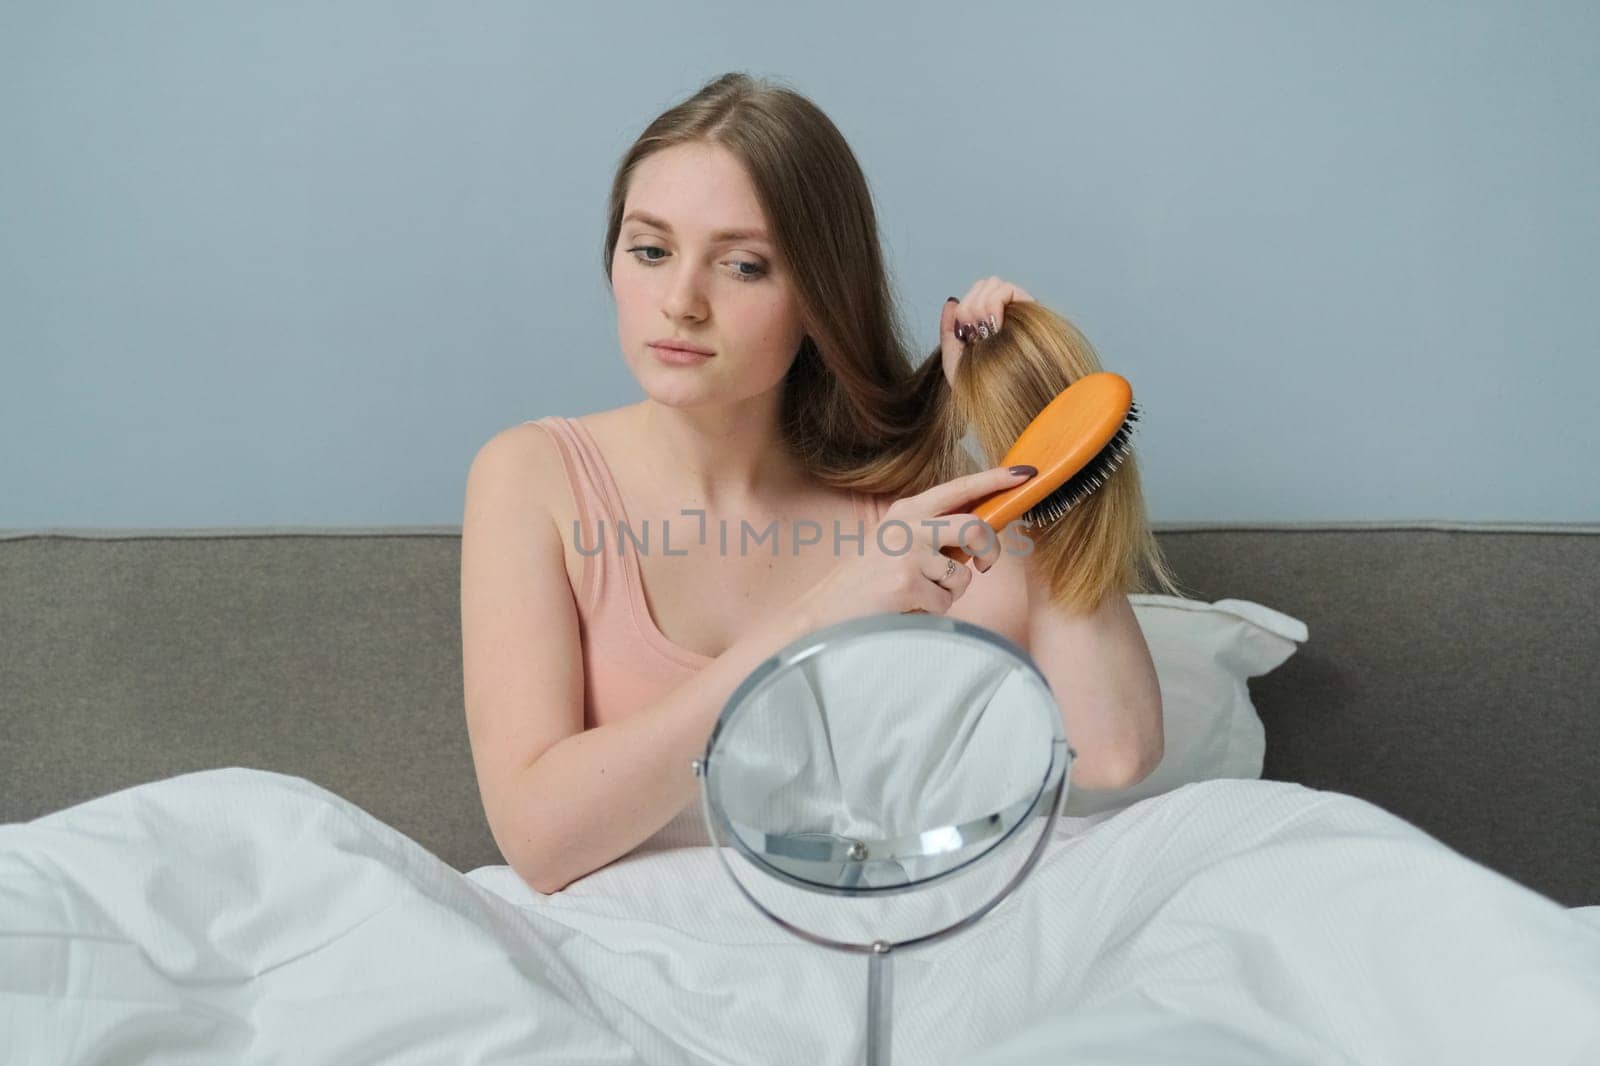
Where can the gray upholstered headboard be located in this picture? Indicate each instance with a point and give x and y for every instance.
(1451, 675)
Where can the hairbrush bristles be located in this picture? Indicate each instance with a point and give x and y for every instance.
(1082, 485)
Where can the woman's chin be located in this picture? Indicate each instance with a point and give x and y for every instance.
(680, 393)
(695, 387)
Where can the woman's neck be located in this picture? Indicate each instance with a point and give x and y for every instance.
(719, 457)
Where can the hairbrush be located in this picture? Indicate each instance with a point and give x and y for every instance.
(1076, 443)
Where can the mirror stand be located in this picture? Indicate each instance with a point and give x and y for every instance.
(879, 756)
(880, 958)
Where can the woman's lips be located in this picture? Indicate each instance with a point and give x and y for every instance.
(684, 346)
(677, 356)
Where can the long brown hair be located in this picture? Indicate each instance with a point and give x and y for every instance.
(857, 410)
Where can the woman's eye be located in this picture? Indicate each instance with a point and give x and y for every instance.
(756, 269)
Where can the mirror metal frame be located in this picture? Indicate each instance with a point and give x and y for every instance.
(1056, 774)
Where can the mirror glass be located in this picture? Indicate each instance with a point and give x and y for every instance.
(884, 753)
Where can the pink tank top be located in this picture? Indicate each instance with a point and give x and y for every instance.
(627, 660)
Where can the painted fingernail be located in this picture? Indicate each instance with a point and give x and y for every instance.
(994, 324)
(983, 330)
(1025, 471)
(951, 300)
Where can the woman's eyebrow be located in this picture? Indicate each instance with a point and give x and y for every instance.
(717, 237)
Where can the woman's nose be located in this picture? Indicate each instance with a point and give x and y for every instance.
(684, 298)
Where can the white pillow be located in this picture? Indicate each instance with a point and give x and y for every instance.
(1203, 653)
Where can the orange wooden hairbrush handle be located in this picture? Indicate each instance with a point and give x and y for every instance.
(1072, 429)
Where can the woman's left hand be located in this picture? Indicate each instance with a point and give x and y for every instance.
(980, 313)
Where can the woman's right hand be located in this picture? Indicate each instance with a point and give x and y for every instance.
(899, 567)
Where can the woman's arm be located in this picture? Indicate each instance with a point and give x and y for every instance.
(563, 801)
(1098, 666)
(1100, 669)
(595, 795)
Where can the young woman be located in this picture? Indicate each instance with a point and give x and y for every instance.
(779, 399)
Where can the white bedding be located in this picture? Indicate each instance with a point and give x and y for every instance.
(242, 916)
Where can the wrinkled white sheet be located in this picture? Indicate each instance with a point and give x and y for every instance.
(242, 916)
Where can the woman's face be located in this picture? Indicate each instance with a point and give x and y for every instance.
(677, 277)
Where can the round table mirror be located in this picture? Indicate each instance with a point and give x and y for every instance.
(885, 758)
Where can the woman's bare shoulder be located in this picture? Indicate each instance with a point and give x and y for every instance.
(519, 453)
(527, 454)
(524, 460)
(533, 443)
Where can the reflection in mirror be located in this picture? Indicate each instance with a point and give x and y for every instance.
(896, 757)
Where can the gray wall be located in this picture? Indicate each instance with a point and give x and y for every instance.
(291, 264)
